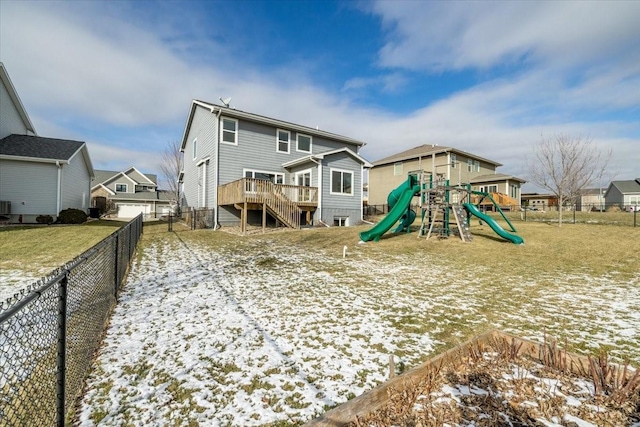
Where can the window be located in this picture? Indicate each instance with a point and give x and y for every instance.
(476, 166)
(229, 131)
(195, 148)
(276, 178)
(454, 160)
(341, 182)
(121, 188)
(489, 188)
(282, 144)
(341, 221)
(469, 165)
(304, 143)
(397, 168)
(513, 190)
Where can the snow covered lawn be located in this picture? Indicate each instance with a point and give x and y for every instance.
(221, 330)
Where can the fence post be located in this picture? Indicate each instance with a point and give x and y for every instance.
(61, 350)
(574, 214)
(117, 264)
(635, 215)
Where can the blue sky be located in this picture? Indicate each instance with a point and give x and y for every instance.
(485, 77)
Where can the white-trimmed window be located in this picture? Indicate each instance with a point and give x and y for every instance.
(283, 138)
(513, 189)
(229, 131)
(303, 143)
(476, 165)
(340, 221)
(397, 168)
(121, 188)
(489, 188)
(275, 177)
(341, 182)
(454, 160)
(469, 165)
(195, 148)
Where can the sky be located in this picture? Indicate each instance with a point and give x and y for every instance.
(490, 78)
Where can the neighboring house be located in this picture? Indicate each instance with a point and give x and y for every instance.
(591, 199)
(625, 194)
(42, 176)
(38, 176)
(129, 193)
(539, 202)
(458, 166)
(245, 166)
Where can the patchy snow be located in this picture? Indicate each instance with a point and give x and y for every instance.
(239, 338)
(12, 281)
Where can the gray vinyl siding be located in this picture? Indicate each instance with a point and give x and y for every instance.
(204, 127)
(10, 120)
(304, 167)
(335, 205)
(35, 184)
(76, 184)
(614, 196)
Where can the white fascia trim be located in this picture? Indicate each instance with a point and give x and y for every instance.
(143, 175)
(206, 159)
(114, 177)
(300, 161)
(13, 94)
(110, 191)
(32, 159)
(349, 152)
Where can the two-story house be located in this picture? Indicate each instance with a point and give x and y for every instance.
(255, 169)
(129, 193)
(457, 166)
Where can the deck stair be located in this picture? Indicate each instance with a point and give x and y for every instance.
(284, 209)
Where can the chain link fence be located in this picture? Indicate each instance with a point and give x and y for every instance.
(50, 331)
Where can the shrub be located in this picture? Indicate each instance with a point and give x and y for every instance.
(44, 219)
(72, 216)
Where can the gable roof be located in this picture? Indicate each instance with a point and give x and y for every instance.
(13, 94)
(492, 177)
(626, 187)
(428, 150)
(43, 150)
(105, 176)
(319, 156)
(233, 113)
(37, 147)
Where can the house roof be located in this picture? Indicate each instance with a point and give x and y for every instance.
(492, 177)
(44, 150)
(13, 94)
(37, 147)
(312, 157)
(104, 176)
(232, 112)
(143, 196)
(428, 150)
(626, 187)
(591, 191)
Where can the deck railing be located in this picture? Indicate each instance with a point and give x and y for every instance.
(282, 200)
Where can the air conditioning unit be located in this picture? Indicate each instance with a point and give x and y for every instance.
(5, 207)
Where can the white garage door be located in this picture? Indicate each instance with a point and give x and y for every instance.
(126, 210)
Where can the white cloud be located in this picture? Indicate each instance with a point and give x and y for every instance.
(127, 78)
(456, 35)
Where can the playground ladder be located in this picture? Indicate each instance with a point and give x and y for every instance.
(461, 222)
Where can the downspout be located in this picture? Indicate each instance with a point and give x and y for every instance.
(59, 190)
(216, 174)
(320, 177)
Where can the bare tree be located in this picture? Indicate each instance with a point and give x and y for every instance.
(170, 166)
(565, 165)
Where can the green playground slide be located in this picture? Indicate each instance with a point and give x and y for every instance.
(401, 197)
(514, 238)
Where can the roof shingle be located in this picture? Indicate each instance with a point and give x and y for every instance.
(38, 147)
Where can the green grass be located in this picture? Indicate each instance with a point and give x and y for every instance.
(39, 249)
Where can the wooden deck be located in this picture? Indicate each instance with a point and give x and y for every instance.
(286, 203)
